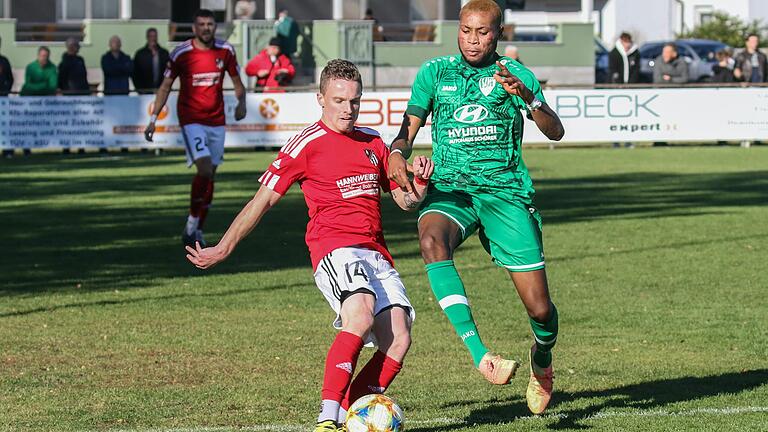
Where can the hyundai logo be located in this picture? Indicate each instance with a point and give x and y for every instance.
(470, 113)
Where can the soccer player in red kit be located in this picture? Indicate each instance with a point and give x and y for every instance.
(200, 64)
(341, 170)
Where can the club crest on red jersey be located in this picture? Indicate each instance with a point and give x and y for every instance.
(220, 63)
(372, 157)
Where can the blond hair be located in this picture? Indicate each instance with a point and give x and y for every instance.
(483, 6)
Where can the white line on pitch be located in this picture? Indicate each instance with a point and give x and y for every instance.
(461, 422)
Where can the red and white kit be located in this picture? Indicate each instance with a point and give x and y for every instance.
(200, 103)
(342, 176)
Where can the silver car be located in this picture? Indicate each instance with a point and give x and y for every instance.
(698, 53)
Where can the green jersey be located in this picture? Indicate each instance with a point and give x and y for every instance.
(477, 127)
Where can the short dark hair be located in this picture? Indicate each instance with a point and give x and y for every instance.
(151, 29)
(274, 42)
(671, 45)
(339, 69)
(204, 13)
(626, 37)
(44, 48)
(750, 35)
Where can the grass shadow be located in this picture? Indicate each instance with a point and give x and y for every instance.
(659, 395)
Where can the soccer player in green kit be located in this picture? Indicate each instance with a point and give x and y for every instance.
(481, 184)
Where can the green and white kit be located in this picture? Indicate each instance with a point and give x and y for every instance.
(480, 180)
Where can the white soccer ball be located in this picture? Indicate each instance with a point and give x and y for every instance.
(374, 413)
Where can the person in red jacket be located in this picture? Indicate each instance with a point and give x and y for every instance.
(273, 69)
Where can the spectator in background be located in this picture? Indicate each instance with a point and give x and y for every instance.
(287, 33)
(512, 52)
(669, 67)
(117, 68)
(271, 68)
(73, 76)
(722, 71)
(40, 77)
(6, 75)
(378, 30)
(624, 61)
(149, 64)
(751, 64)
(245, 9)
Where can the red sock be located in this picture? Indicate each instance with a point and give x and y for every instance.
(207, 199)
(340, 365)
(197, 194)
(375, 377)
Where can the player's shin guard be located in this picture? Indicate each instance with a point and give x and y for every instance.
(449, 291)
(545, 335)
(339, 367)
(207, 199)
(374, 377)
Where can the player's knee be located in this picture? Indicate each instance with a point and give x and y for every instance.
(359, 323)
(540, 313)
(400, 345)
(433, 248)
(204, 171)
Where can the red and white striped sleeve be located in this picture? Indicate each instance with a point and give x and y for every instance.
(291, 163)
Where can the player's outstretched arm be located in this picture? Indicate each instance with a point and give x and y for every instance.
(546, 119)
(422, 169)
(161, 97)
(243, 224)
(401, 151)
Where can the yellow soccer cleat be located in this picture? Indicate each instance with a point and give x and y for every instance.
(539, 391)
(496, 369)
(327, 426)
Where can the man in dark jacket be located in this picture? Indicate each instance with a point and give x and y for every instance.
(149, 64)
(624, 61)
(73, 76)
(751, 64)
(669, 67)
(117, 68)
(6, 75)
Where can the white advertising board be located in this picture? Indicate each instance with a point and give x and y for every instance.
(589, 116)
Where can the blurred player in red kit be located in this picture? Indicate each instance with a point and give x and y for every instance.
(200, 64)
(341, 169)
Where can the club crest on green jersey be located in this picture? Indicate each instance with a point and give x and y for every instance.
(486, 85)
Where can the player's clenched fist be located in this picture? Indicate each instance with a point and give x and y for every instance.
(240, 111)
(512, 84)
(149, 131)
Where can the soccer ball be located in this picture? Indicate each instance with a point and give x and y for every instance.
(374, 413)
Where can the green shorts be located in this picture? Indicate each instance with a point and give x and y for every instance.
(509, 229)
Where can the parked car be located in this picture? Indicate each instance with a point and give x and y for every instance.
(698, 53)
(601, 63)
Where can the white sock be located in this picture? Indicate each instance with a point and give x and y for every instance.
(329, 410)
(191, 224)
(342, 415)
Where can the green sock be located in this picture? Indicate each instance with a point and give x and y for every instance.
(545, 335)
(449, 291)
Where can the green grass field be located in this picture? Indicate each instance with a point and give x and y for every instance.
(656, 260)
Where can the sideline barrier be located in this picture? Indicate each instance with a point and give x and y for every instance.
(589, 116)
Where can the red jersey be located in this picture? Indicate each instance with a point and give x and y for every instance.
(201, 72)
(341, 176)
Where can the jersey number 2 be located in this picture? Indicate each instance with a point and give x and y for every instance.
(199, 144)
